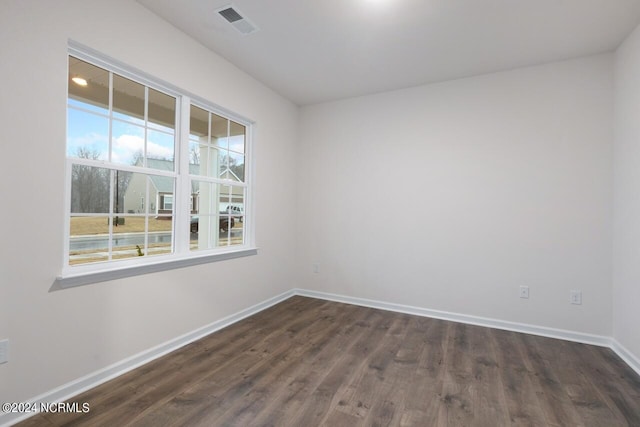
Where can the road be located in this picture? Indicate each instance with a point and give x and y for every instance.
(81, 243)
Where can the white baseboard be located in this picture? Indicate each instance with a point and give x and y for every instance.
(562, 334)
(629, 358)
(73, 388)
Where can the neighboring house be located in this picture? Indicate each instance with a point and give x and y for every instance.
(161, 191)
(237, 196)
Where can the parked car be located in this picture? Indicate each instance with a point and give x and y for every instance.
(235, 211)
(226, 223)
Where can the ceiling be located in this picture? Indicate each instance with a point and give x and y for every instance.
(323, 50)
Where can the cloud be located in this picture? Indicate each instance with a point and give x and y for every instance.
(159, 151)
(126, 147)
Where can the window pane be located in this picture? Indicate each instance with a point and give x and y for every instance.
(207, 159)
(223, 165)
(194, 158)
(231, 208)
(161, 146)
(131, 192)
(226, 225)
(199, 124)
(89, 189)
(231, 166)
(121, 180)
(129, 236)
(87, 135)
(162, 224)
(219, 131)
(133, 197)
(200, 232)
(236, 167)
(162, 110)
(202, 227)
(95, 94)
(89, 239)
(237, 137)
(232, 200)
(161, 243)
(128, 100)
(127, 143)
(194, 235)
(236, 235)
(215, 161)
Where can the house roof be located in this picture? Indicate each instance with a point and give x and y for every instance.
(164, 184)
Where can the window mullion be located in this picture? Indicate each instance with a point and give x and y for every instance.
(181, 204)
(120, 167)
(110, 215)
(109, 154)
(68, 213)
(249, 212)
(110, 130)
(147, 212)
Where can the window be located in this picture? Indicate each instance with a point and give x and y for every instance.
(150, 171)
(167, 202)
(216, 160)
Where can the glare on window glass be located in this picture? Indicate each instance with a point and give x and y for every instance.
(237, 134)
(88, 86)
(162, 110)
(199, 124)
(128, 100)
(219, 131)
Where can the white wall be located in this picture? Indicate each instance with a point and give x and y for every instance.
(56, 337)
(450, 196)
(626, 224)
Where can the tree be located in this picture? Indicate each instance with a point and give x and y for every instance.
(233, 165)
(89, 185)
(194, 156)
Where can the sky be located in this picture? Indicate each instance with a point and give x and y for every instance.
(90, 129)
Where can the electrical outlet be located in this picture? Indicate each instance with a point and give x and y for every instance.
(4, 351)
(576, 297)
(316, 268)
(524, 292)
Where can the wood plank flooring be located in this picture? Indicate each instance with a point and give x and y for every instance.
(308, 362)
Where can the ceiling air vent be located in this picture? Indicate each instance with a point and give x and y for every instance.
(237, 20)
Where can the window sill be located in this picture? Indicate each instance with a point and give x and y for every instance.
(71, 280)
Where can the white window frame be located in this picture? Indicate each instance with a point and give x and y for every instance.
(182, 256)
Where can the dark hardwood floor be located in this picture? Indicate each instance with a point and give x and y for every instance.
(308, 362)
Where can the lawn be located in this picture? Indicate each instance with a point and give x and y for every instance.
(83, 226)
(88, 226)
